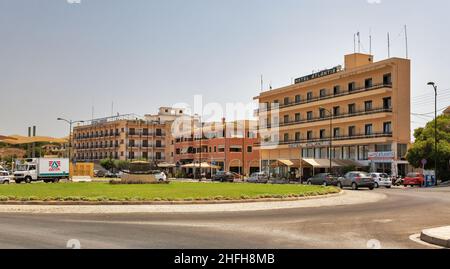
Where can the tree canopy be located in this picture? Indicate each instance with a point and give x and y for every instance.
(423, 147)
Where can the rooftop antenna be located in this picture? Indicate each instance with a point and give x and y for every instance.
(359, 42)
(406, 40)
(112, 108)
(389, 45)
(370, 41)
(262, 83)
(354, 43)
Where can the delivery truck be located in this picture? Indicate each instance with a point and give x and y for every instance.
(45, 169)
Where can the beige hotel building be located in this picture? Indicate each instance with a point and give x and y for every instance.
(361, 110)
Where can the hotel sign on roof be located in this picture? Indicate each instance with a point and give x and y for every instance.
(320, 74)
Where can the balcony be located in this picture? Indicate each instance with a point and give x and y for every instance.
(335, 117)
(327, 139)
(326, 97)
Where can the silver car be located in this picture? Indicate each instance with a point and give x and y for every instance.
(356, 180)
(382, 180)
(259, 177)
(5, 177)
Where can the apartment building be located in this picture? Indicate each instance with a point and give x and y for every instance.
(229, 146)
(127, 137)
(358, 115)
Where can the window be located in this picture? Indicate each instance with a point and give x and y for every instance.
(145, 131)
(368, 106)
(336, 89)
(387, 79)
(336, 111)
(322, 133)
(369, 129)
(158, 155)
(297, 136)
(322, 113)
(309, 96)
(351, 108)
(145, 155)
(286, 118)
(383, 148)
(158, 143)
(387, 128)
(145, 143)
(368, 83)
(297, 99)
(131, 143)
(221, 149)
(309, 115)
(323, 92)
(235, 149)
(131, 155)
(351, 131)
(336, 132)
(132, 131)
(387, 103)
(402, 149)
(249, 149)
(351, 86)
(297, 117)
(158, 132)
(286, 137)
(286, 101)
(309, 135)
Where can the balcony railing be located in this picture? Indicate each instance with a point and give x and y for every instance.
(339, 116)
(327, 139)
(327, 96)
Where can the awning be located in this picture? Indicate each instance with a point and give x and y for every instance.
(344, 163)
(184, 150)
(286, 162)
(166, 165)
(202, 165)
(321, 163)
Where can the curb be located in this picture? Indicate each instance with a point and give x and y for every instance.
(199, 202)
(437, 236)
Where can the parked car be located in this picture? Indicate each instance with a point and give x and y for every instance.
(413, 179)
(325, 179)
(356, 180)
(382, 180)
(160, 176)
(5, 177)
(225, 176)
(100, 173)
(259, 177)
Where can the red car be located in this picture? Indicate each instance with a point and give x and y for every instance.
(414, 179)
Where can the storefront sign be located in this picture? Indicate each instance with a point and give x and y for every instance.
(320, 74)
(382, 156)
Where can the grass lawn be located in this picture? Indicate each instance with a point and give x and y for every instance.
(175, 191)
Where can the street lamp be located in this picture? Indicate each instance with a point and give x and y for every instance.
(70, 122)
(435, 88)
(331, 136)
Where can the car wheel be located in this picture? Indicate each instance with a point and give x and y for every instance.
(405, 186)
(388, 187)
(371, 188)
(27, 180)
(377, 185)
(354, 186)
(339, 185)
(18, 181)
(325, 184)
(309, 182)
(6, 182)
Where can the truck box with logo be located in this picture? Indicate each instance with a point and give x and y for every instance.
(46, 169)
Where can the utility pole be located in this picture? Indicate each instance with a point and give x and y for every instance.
(435, 131)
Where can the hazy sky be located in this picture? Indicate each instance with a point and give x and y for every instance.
(59, 59)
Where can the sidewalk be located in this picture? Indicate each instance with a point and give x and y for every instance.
(437, 236)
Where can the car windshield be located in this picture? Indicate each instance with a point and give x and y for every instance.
(384, 175)
(412, 175)
(22, 167)
(363, 174)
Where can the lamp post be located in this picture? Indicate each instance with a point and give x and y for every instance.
(435, 88)
(331, 136)
(70, 122)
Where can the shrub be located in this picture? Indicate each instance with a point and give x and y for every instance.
(3, 198)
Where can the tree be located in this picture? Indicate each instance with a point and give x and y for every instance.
(108, 164)
(423, 147)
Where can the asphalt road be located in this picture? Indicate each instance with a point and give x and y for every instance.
(386, 224)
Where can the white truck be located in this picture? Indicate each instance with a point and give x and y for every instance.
(46, 169)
